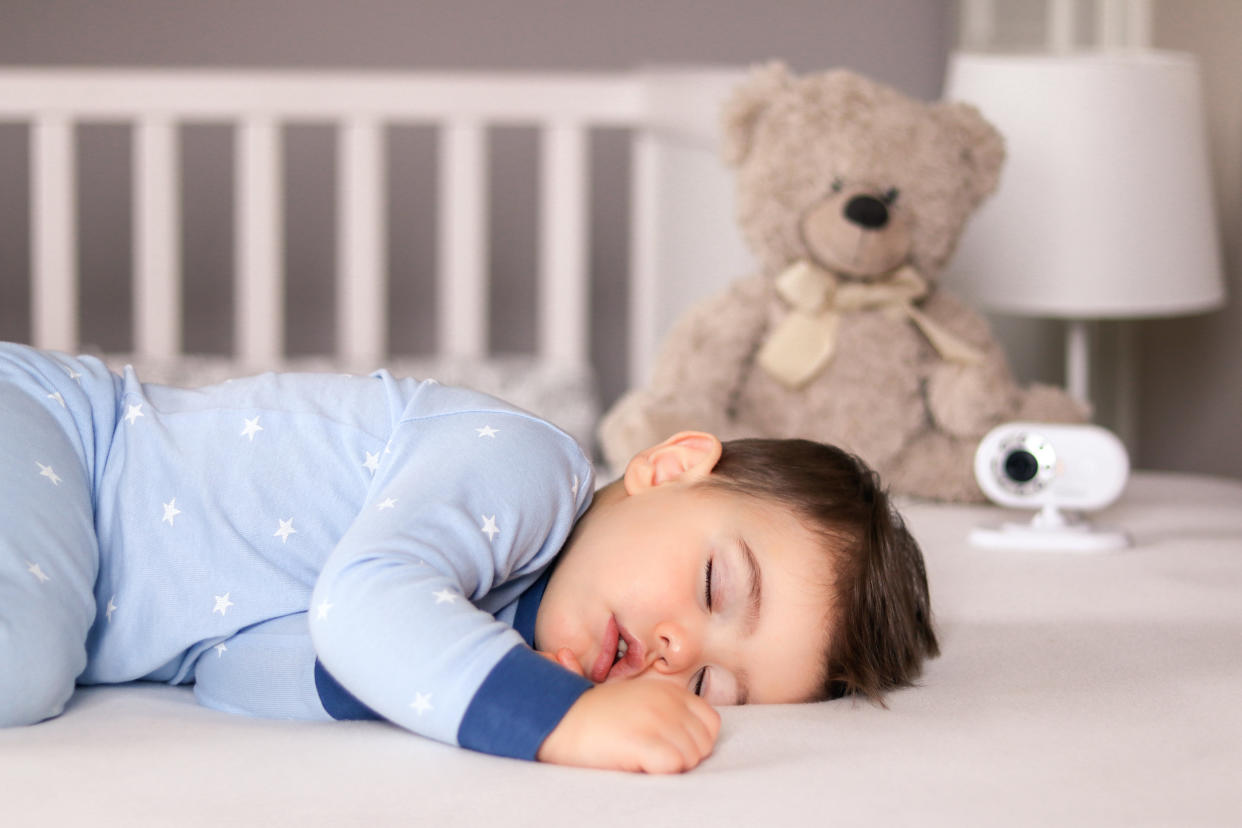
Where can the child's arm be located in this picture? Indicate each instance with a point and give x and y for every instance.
(463, 512)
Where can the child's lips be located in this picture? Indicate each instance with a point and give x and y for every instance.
(632, 662)
(607, 651)
(604, 668)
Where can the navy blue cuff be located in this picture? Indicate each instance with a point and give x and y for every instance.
(336, 700)
(522, 699)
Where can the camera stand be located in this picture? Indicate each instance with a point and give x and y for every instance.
(1051, 530)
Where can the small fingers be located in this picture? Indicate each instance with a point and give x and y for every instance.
(707, 714)
(691, 733)
(664, 755)
(703, 734)
(566, 658)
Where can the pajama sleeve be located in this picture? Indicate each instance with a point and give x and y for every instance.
(464, 512)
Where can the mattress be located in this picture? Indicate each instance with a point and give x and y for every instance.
(1073, 689)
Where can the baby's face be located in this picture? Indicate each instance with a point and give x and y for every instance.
(724, 594)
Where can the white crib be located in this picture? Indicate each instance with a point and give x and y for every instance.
(683, 238)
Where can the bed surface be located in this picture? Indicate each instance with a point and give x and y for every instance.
(1081, 690)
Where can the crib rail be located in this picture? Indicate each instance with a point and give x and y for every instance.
(360, 106)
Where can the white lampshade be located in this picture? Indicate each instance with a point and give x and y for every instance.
(1104, 208)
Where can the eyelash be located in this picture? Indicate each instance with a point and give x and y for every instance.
(707, 583)
(707, 593)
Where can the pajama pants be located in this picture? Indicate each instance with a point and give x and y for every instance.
(58, 415)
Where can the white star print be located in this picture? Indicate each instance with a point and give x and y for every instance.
(73, 375)
(421, 703)
(37, 571)
(55, 395)
(220, 650)
(111, 608)
(372, 462)
(170, 511)
(575, 488)
(252, 426)
(487, 431)
(46, 471)
(222, 604)
(386, 504)
(133, 412)
(286, 529)
(445, 596)
(489, 527)
(323, 610)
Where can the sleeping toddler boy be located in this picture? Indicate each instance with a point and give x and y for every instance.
(327, 547)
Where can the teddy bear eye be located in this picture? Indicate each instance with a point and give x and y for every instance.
(891, 195)
(837, 185)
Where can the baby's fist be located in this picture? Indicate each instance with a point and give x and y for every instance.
(641, 725)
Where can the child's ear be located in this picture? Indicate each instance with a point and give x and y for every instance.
(687, 456)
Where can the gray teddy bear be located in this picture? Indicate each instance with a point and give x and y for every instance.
(853, 196)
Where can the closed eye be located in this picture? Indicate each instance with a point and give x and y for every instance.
(707, 583)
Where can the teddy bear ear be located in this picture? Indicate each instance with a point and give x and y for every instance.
(980, 146)
(746, 104)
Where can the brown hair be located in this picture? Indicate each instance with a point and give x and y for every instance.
(881, 629)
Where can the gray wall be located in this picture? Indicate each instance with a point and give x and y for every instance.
(1190, 378)
(1188, 372)
(903, 42)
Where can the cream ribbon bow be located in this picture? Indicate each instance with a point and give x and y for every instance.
(803, 341)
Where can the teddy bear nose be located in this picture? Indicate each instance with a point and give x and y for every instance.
(867, 211)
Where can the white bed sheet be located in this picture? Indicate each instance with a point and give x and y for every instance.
(1079, 690)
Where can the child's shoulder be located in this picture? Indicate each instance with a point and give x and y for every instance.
(463, 414)
(428, 400)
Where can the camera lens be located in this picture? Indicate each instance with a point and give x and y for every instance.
(1021, 466)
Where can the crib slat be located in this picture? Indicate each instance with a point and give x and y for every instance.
(1110, 23)
(54, 292)
(644, 257)
(564, 242)
(1139, 22)
(977, 23)
(1062, 24)
(361, 323)
(463, 236)
(157, 247)
(259, 269)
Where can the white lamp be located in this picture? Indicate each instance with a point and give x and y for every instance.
(1104, 209)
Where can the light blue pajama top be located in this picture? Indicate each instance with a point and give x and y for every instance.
(398, 522)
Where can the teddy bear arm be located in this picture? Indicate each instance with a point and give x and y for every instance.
(964, 322)
(965, 399)
(711, 346)
(693, 378)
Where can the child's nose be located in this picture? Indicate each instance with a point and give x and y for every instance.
(675, 649)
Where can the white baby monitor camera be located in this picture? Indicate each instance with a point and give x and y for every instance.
(1059, 470)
